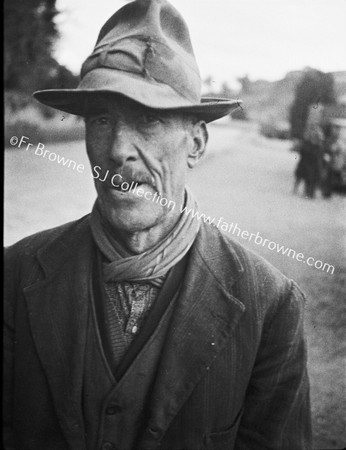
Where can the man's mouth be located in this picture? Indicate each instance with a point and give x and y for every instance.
(127, 186)
(127, 182)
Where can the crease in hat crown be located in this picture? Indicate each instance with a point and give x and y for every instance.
(149, 39)
(143, 52)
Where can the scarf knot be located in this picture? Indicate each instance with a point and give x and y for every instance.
(153, 264)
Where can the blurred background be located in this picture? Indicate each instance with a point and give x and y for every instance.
(277, 166)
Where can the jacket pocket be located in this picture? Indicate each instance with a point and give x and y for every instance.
(224, 439)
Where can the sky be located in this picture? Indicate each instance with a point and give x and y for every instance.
(263, 39)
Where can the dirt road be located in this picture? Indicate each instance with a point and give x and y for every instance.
(247, 180)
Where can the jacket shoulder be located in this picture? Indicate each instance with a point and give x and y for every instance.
(30, 245)
(251, 262)
(258, 282)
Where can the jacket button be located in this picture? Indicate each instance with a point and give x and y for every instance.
(111, 410)
(108, 446)
(155, 433)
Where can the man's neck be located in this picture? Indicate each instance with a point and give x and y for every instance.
(140, 241)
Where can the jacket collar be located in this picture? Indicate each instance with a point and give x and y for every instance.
(59, 251)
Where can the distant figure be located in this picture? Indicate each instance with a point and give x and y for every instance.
(334, 160)
(309, 167)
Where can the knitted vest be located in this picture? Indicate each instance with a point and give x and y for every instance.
(116, 410)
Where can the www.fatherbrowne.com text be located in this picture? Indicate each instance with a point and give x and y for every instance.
(231, 228)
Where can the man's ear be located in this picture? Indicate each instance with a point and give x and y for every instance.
(200, 138)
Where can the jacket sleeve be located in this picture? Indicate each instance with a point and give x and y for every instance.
(277, 406)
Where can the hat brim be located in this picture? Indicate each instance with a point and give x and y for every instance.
(148, 93)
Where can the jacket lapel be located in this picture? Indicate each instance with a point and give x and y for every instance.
(205, 315)
(58, 307)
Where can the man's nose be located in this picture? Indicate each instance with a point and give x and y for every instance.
(123, 148)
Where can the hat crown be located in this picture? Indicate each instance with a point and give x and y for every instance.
(149, 38)
(156, 18)
(143, 52)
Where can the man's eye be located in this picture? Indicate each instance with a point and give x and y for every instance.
(150, 119)
(102, 121)
(99, 121)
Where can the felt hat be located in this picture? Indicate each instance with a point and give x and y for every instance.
(143, 52)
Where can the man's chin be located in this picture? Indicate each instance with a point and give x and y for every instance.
(132, 219)
(132, 224)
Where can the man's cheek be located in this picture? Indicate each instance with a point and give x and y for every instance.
(96, 154)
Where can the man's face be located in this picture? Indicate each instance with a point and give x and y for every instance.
(128, 143)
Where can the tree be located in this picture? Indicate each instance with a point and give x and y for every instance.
(208, 85)
(226, 91)
(245, 85)
(30, 35)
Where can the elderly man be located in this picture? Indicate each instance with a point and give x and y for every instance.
(138, 327)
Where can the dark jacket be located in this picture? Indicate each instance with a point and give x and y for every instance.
(233, 368)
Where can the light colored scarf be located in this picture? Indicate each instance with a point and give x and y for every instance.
(155, 262)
